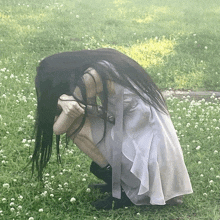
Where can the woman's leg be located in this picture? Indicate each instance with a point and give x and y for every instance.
(84, 142)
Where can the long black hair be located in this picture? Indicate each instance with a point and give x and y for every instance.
(61, 73)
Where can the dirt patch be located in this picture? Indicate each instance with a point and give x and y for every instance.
(207, 95)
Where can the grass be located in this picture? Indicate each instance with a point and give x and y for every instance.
(176, 41)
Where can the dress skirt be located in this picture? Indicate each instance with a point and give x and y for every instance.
(152, 164)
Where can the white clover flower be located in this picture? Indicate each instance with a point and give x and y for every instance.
(4, 200)
(6, 185)
(206, 47)
(197, 148)
(138, 213)
(83, 179)
(215, 152)
(52, 195)
(44, 194)
(72, 200)
(36, 197)
(41, 210)
(212, 97)
(218, 177)
(23, 141)
(201, 175)
(19, 207)
(12, 209)
(33, 184)
(211, 182)
(65, 184)
(211, 168)
(3, 69)
(204, 194)
(31, 218)
(88, 190)
(30, 117)
(199, 162)
(12, 204)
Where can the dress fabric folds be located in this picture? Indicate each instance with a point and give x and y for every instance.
(152, 164)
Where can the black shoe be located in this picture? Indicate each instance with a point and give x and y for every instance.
(104, 174)
(112, 203)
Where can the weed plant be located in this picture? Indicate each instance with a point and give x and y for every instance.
(176, 41)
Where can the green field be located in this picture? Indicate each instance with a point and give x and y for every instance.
(177, 42)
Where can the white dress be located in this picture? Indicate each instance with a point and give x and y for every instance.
(152, 164)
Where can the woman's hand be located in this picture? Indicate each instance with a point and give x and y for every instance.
(70, 106)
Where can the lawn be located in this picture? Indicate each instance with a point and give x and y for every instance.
(176, 41)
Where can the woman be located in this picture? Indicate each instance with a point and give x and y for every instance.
(138, 154)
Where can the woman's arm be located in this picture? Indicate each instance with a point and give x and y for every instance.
(72, 110)
(62, 123)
